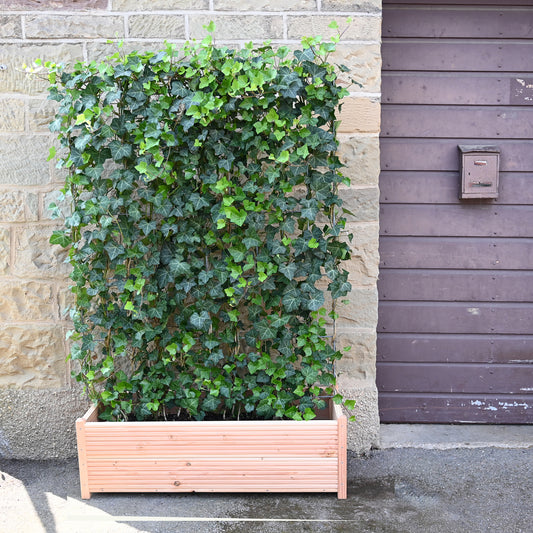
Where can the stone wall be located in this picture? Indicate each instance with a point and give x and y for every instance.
(38, 401)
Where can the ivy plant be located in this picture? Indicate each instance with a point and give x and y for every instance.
(203, 229)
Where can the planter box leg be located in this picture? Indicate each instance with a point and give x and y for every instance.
(82, 458)
(342, 493)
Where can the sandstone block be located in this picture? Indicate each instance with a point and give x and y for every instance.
(154, 26)
(24, 160)
(364, 62)
(18, 206)
(58, 175)
(360, 29)
(367, 6)
(66, 301)
(11, 114)
(10, 27)
(359, 115)
(13, 79)
(359, 363)
(26, 301)
(361, 309)
(74, 27)
(363, 266)
(5, 250)
(360, 154)
(238, 27)
(362, 203)
(40, 114)
(36, 257)
(38, 5)
(265, 5)
(32, 357)
(149, 5)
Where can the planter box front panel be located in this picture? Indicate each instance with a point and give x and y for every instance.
(256, 456)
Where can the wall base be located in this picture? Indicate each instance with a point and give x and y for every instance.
(39, 424)
(363, 434)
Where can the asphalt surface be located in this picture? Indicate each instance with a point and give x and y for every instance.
(400, 490)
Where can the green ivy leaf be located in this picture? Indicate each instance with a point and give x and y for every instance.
(291, 300)
(61, 238)
(234, 215)
(179, 267)
(265, 330)
(251, 242)
(200, 320)
(237, 253)
(309, 209)
(114, 250)
(283, 157)
(339, 288)
(349, 404)
(314, 301)
(288, 270)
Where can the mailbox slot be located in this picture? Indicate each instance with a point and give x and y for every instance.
(479, 171)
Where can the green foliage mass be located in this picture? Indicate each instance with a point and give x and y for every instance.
(204, 228)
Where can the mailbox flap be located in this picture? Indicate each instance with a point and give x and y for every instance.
(466, 149)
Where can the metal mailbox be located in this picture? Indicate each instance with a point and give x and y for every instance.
(479, 171)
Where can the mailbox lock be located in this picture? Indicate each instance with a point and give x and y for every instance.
(479, 171)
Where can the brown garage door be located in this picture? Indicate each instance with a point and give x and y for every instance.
(455, 333)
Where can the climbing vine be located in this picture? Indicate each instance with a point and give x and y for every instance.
(203, 229)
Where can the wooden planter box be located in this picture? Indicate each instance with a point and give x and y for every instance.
(228, 456)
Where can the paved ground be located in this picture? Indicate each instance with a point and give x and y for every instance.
(393, 490)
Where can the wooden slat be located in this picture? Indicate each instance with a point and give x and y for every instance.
(456, 253)
(137, 442)
(435, 348)
(103, 450)
(457, 221)
(499, 409)
(457, 55)
(501, 4)
(460, 317)
(456, 122)
(456, 285)
(467, 22)
(215, 427)
(300, 488)
(443, 155)
(411, 187)
(454, 378)
(448, 88)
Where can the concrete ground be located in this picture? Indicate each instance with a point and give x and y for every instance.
(453, 479)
